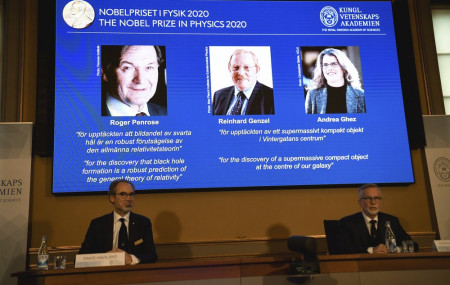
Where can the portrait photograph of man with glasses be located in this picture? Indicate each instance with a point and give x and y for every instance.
(247, 95)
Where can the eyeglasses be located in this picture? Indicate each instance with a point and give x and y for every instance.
(124, 195)
(246, 68)
(328, 65)
(371, 199)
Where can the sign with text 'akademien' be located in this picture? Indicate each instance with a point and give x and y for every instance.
(15, 176)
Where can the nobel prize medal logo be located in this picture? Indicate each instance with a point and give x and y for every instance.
(328, 16)
(442, 169)
(78, 14)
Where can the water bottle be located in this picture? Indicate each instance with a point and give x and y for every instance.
(389, 237)
(42, 257)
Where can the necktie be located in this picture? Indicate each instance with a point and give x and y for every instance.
(123, 236)
(141, 114)
(373, 230)
(237, 108)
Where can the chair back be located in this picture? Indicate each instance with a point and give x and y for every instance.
(332, 232)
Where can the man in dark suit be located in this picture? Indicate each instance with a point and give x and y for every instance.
(247, 96)
(358, 233)
(121, 230)
(130, 79)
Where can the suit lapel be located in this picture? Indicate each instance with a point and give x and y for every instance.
(322, 101)
(230, 97)
(363, 229)
(109, 228)
(134, 233)
(253, 97)
(381, 228)
(132, 230)
(350, 99)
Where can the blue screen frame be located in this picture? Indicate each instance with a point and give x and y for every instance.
(192, 149)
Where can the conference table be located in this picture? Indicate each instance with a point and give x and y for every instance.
(399, 268)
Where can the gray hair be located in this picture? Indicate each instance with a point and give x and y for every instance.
(241, 51)
(365, 186)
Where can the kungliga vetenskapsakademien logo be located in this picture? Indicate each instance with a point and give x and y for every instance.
(442, 169)
(328, 16)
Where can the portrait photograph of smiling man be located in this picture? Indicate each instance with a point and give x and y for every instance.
(133, 81)
(332, 80)
(241, 81)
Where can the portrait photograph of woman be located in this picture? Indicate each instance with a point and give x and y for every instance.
(332, 81)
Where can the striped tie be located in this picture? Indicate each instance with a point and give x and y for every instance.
(237, 108)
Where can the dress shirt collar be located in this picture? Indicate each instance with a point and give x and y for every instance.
(368, 219)
(117, 217)
(247, 92)
(118, 108)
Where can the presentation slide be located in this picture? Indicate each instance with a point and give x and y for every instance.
(181, 95)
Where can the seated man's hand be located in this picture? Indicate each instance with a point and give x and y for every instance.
(381, 248)
(128, 258)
